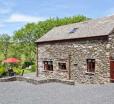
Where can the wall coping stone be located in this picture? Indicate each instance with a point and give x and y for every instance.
(36, 81)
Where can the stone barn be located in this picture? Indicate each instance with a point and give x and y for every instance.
(83, 51)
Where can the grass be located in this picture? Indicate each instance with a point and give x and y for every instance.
(26, 71)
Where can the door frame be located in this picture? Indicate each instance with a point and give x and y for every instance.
(111, 66)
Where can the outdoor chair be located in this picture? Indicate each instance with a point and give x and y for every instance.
(11, 72)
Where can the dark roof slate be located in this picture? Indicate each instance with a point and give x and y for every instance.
(91, 28)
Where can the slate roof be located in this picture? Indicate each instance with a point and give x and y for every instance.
(91, 28)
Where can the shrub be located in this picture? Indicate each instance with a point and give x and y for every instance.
(2, 70)
(17, 70)
(33, 68)
(27, 64)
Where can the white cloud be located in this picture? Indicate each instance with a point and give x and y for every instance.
(24, 18)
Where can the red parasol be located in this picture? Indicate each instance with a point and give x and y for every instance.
(11, 60)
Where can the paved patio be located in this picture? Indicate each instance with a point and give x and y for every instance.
(41, 76)
(55, 93)
(33, 75)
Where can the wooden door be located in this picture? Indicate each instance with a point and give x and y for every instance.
(112, 70)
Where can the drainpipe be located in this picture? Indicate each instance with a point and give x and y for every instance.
(69, 63)
(37, 60)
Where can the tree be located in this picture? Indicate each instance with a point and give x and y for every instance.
(4, 44)
(27, 35)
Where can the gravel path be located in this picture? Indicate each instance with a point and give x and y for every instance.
(55, 93)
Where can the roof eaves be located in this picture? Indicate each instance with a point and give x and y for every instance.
(46, 41)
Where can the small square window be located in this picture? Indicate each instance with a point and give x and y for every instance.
(62, 66)
(48, 65)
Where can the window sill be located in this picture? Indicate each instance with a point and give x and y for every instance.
(63, 70)
(90, 73)
(47, 71)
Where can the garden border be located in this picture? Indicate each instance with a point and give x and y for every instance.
(35, 81)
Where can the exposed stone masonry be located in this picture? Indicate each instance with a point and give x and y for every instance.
(35, 81)
(80, 51)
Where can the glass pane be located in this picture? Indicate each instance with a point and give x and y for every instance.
(62, 65)
(91, 65)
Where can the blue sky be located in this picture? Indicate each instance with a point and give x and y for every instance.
(16, 13)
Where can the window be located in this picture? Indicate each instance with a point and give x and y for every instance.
(48, 65)
(90, 65)
(62, 66)
(73, 30)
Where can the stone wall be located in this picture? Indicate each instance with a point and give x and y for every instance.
(35, 81)
(80, 50)
(111, 44)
